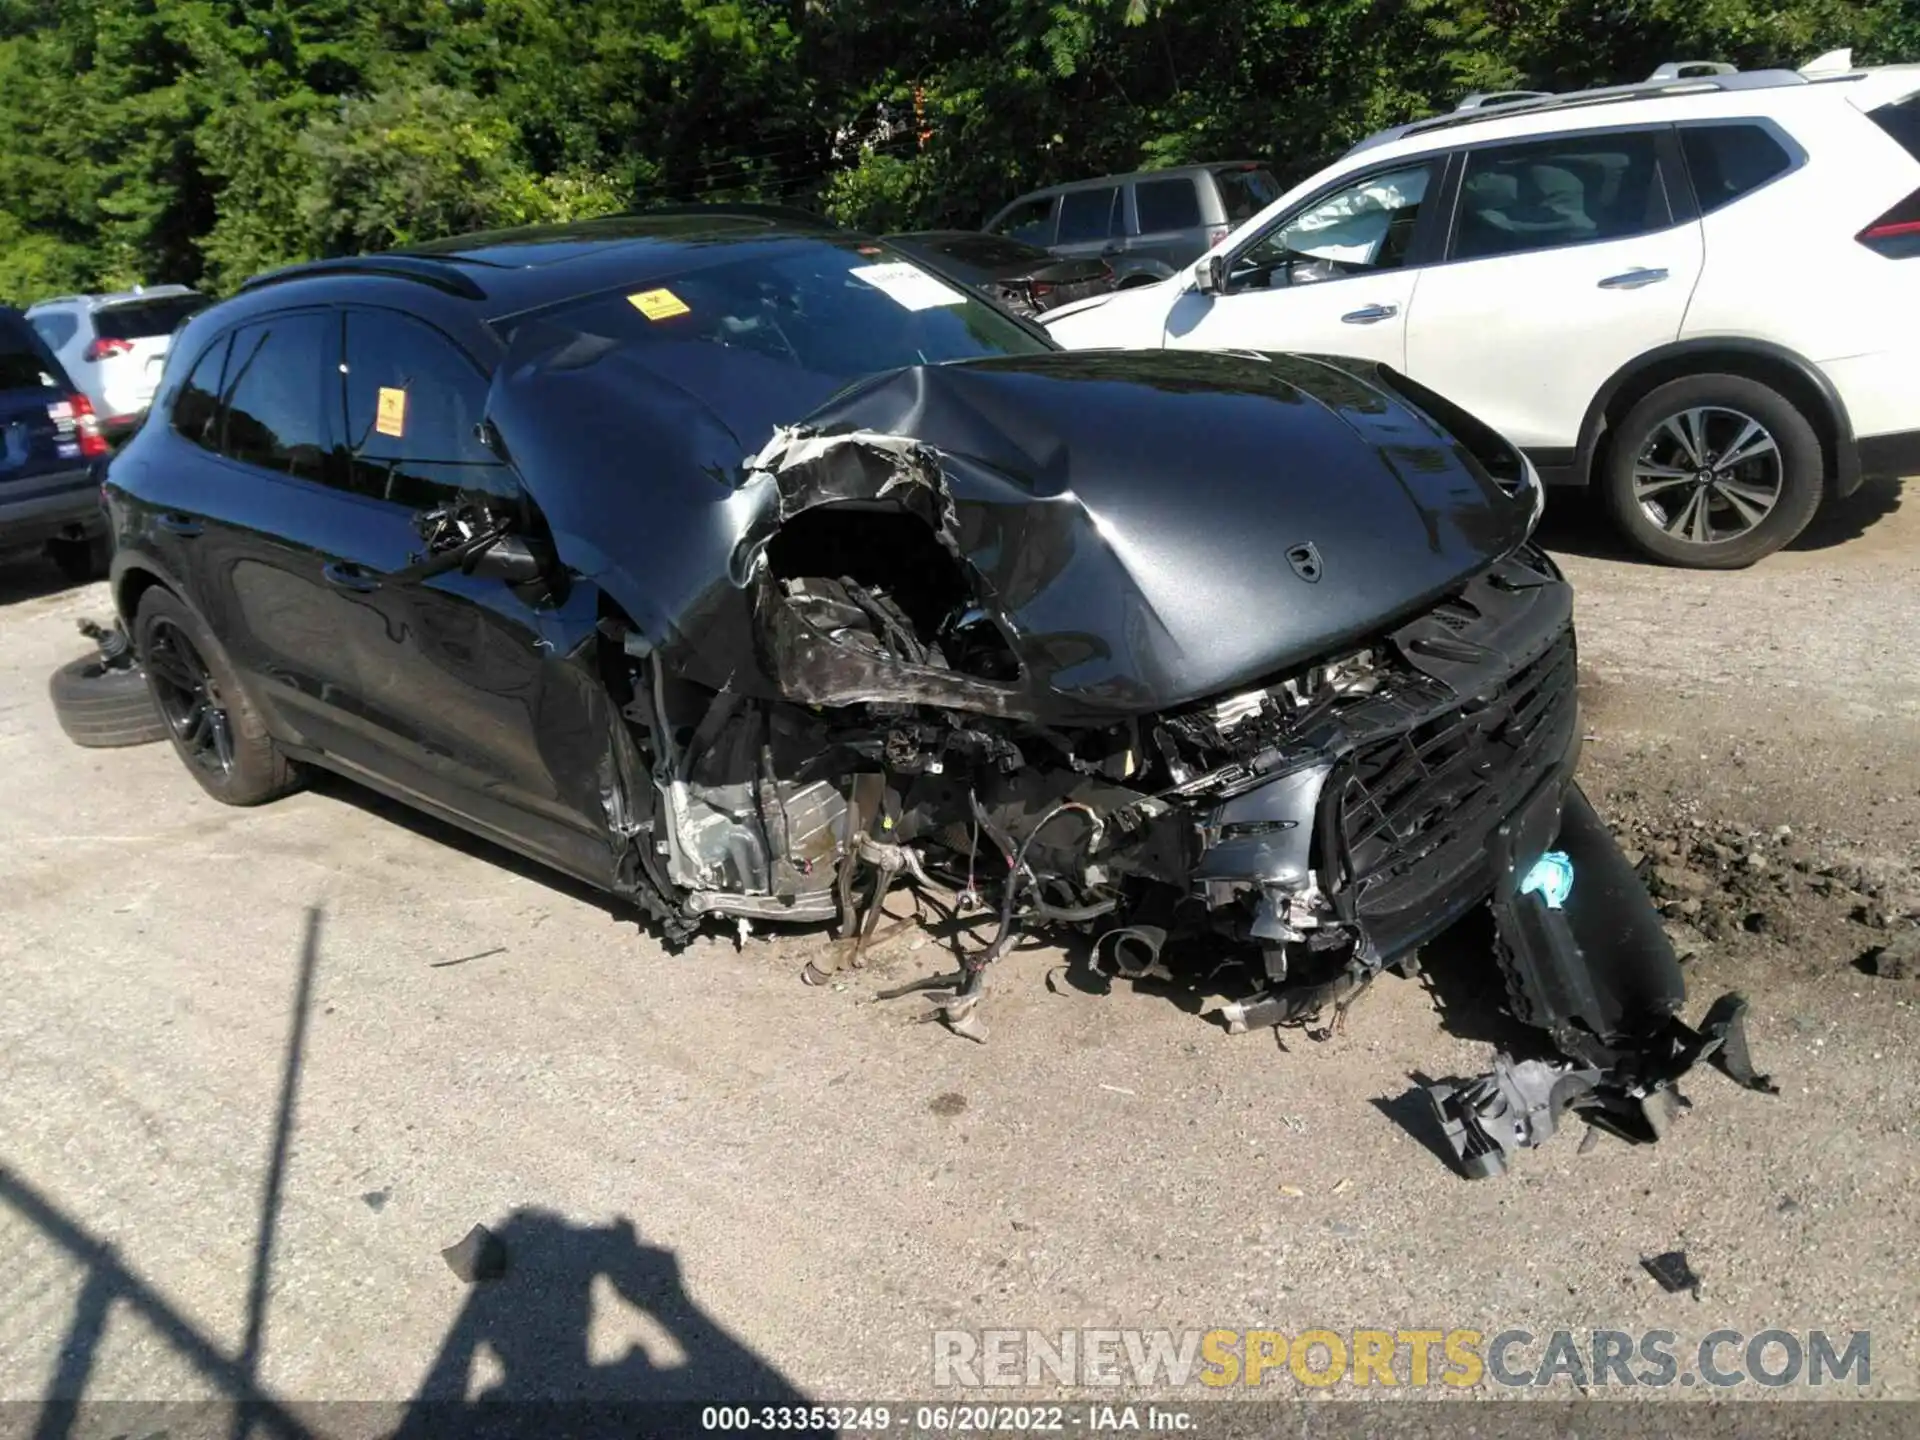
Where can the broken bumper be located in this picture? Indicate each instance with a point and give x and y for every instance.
(1593, 969)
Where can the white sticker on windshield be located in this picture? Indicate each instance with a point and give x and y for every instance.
(907, 287)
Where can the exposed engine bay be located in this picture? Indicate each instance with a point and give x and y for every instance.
(1304, 830)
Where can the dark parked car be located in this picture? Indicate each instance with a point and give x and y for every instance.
(736, 565)
(1148, 224)
(51, 457)
(1022, 277)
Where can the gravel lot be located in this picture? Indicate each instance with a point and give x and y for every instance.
(711, 1177)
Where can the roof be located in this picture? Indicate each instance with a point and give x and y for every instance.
(117, 297)
(1127, 177)
(515, 269)
(1675, 80)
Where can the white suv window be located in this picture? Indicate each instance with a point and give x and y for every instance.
(1366, 227)
(1564, 191)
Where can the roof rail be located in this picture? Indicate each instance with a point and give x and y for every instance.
(1486, 99)
(441, 274)
(1666, 81)
(1691, 69)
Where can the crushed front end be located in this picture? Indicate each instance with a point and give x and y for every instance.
(1276, 706)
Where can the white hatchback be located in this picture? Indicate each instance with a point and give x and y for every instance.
(1689, 293)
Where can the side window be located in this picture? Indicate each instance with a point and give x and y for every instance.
(1726, 161)
(56, 327)
(1567, 191)
(1088, 215)
(1166, 205)
(271, 413)
(198, 403)
(1030, 220)
(1901, 120)
(1366, 227)
(412, 402)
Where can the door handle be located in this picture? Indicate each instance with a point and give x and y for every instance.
(1111, 250)
(1633, 279)
(183, 525)
(348, 577)
(1370, 314)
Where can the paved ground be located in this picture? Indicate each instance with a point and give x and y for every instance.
(710, 1176)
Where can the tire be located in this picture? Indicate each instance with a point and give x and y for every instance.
(1669, 489)
(80, 561)
(214, 726)
(104, 707)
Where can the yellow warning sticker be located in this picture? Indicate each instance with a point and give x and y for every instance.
(658, 304)
(390, 418)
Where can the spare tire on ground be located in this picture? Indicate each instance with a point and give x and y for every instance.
(101, 700)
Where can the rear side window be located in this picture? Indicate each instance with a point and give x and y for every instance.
(197, 406)
(56, 327)
(1030, 220)
(1166, 205)
(1088, 215)
(22, 366)
(272, 413)
(1566, 191)
(1245, 190)
(1727, 161)
(146, 319)
(412, 401)
(1901, 120)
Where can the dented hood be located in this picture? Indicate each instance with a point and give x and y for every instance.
(1125, 517)
(1130, 516)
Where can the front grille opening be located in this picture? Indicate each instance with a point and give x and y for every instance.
(1412, 810)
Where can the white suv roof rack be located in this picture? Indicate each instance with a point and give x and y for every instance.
(1675, 77)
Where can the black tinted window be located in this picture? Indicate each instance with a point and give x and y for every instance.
(1088, 215)
(1726, 161)
(412, 403)
(1559, 192)
(144, 319)
(1245, 191)
(56, 327)
(1166, 205)
(271, 416)
(198, 404)
(22, 365)
(1901, 120)
(1030, 220)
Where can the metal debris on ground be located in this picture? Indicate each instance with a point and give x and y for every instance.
(479, 1256)
(1673, 1272)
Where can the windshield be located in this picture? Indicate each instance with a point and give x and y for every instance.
(146, 319)
(840, 309)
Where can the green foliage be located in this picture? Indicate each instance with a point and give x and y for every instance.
(204, 140)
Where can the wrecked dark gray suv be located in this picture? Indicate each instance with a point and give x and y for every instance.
(738, 566)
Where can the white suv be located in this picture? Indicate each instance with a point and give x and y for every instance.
(1688, 292)
(115, 345)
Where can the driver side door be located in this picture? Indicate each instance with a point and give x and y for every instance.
(468, 687)
(1333, 276)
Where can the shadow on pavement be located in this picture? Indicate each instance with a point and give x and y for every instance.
(1577, 524)
(30, 577)
(518, 1359)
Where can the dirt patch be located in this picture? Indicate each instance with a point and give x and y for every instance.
(1765, 893)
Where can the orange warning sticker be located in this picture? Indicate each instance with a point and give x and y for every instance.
(390, 418)
(658, 304)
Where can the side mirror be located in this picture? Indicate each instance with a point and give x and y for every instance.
(1210, 277)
